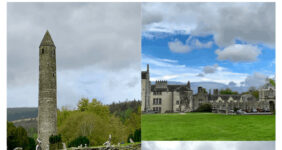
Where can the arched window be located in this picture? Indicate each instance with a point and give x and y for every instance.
(42, 51)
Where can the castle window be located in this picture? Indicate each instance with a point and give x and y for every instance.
(53, 74)
(42, 51)
(177, 102)
(157, 109)
(160, 101)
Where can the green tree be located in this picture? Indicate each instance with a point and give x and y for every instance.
(98, 108)
(95, 121)
(272, 82)
(83, 104)
(254, 92)
(227, 91)
(17, 137)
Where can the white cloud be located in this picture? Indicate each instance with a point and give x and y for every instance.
(251, 22)
(239, 53)
(200, 75)
(161, 70)
(210, 69)
(91, 39)
(190, 44)
(178, 47)
(199, 44)
(232, 84)
(256, 79)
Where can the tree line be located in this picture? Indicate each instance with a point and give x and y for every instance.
(91, 121)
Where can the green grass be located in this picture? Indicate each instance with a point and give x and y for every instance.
(207, 126)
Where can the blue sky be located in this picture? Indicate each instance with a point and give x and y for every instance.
(198, 45)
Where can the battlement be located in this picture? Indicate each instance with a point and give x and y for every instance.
(161, 84)
(161, 81)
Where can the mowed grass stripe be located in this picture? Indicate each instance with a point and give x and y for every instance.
(208, 126)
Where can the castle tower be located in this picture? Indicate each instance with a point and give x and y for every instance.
(188, 85)
(145, 89)
(47, 102)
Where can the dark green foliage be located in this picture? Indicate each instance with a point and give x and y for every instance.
(227, 91)
(136, 137)
(204, 108)
(32, 143)
(78, 141)
(235, 109)
(55, 139)
(21, 113)
(55, 142)
(124, 109)
(17, 137)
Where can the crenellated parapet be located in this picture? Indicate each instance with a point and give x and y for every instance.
(161, 84)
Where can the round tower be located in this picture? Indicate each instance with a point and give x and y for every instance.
(47, 100)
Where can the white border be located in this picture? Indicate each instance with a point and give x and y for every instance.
(3, 61)
(3, 74)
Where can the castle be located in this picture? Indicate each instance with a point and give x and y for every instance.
(162, 97)
(47, 99)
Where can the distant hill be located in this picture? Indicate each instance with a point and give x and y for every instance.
(209, 85)
(21, 113)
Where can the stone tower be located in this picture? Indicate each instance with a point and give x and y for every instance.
(47, 101)
(145, 90)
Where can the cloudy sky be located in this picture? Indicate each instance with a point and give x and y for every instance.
(202, 145)
(97, 45)
(230, 43)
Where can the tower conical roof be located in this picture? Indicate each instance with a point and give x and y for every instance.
(47, 40)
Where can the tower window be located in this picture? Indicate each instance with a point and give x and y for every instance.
(53, 74)
(42, 51)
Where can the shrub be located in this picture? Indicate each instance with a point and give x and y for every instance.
(136, 137)
(53, 139)
(235, 109)
(17, 137)
(204, 108)
(55, 142)
(78, 141)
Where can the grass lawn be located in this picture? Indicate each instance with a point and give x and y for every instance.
(207, 126)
